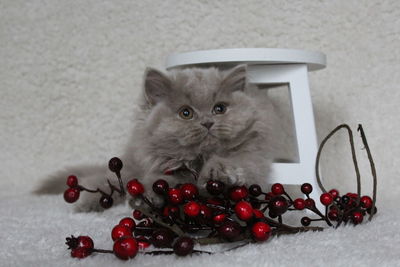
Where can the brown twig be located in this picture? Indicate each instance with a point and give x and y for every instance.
(373, 170)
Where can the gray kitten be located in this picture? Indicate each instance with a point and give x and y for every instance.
(208, 121)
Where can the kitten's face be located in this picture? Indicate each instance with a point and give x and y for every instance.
(198, 110)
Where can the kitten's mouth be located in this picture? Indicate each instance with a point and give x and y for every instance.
(211, 134)
(208, 142)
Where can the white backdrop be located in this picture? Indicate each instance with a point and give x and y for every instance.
(71, 70)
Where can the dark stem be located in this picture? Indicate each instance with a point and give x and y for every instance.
(284, 227)
(326, 212)
(264, 209)
(290, 199)
(316, 211)
(121, 190)
(170, 252)
(296, 230)
(113, 188)
(226, 209)
(98, 190)
(373, 170)
(102, 250)
(148, 203)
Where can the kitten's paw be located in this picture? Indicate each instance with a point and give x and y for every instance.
(221, 171)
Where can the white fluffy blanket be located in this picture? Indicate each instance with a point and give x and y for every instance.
(34, 230)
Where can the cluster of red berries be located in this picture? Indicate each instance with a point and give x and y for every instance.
(347, 208)
(81, 246)
(72, 194)
(225, 213)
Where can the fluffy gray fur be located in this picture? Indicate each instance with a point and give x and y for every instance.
(238, 148)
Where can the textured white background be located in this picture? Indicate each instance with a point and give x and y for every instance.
(71, 70)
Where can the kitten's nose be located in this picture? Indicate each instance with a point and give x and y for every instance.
(208, 124)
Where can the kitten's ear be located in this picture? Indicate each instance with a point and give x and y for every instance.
(235, 79)
(156, 86)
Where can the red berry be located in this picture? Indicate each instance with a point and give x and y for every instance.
(192, 209)
(143, 244)
(106, 201)
(215, 187)
(171, 211)
(326, 199)
(255, 190)
(162, 238)
(189, 191)
(128, 222)
(299, 203)
(220, 218)
(160, 187)
(333, 215)
(71, 195)
(205, 212)
(366, 202)
(352, 195)
(85, 242)
(215, 201)
(230, 230)
(305, 221)
(175, 196)
(72, 181)
(357, 217)
(310, 203)
(334, 193)
(261, 231)
(135, 188)
(183, 246)
(80, 253)
(306, 188)
(125, 247)
(238, 193)
(272, 214)
(244, 210)
(278, 205)
(277, 189)
(258, 214)
(119, 231)
(137, 214)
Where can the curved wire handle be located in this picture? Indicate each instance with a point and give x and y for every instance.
(353, 154)
(354, 157)
(373, 170)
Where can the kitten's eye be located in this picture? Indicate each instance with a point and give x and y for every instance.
(219, 108)
(186, 113)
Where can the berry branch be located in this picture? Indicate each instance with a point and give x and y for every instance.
(227, 213)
